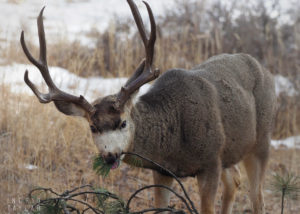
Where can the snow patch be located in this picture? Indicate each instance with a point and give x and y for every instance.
(91, 88)
(284, 85)
(67, 18)
(290, 142)
(30, 166)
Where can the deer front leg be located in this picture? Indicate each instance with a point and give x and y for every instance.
(231, 181)
(208, 185)
(162, 196)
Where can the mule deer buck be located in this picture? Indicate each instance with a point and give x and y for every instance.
(198, 122)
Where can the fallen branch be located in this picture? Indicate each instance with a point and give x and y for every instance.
(108, 203)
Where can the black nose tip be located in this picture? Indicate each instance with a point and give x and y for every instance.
(110, 158)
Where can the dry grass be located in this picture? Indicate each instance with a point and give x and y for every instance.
(61, 146)
(62, 149)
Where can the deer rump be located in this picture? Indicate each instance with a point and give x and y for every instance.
(195, 119)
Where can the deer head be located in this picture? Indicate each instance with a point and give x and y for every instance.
(109, 117)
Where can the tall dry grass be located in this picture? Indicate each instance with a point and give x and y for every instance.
(62, 150)
(61, 147)
(55, 146)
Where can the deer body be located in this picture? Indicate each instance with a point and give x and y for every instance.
(190, 119)
(198, 122)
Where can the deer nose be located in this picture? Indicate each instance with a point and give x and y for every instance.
(110, 158)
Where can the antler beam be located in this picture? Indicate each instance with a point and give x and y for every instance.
(144, 72)
(55, 94)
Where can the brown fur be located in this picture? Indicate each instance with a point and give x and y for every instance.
(211, 117)
(231, 182)
(106, 116)
(204, 113)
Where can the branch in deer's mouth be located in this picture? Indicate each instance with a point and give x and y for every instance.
(102, 168)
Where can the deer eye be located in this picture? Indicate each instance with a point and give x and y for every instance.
(93, 129)
(123, 125)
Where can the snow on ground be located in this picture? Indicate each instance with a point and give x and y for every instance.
(70, 19)
(284, 85)
(91, 88)
(30, 166)
(290, 142)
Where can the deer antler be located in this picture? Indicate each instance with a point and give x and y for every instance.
(144, 73)
(60, 98)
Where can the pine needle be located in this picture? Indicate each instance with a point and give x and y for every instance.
(101, 167)
(107, 205)
(289, 183)
(113, 207)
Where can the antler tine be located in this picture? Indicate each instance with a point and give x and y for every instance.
(144, 73)
(43, 98)
(42, 40)
(152, 39)
(138, 20)
(42, 63)
(148, 43)
(54, 94)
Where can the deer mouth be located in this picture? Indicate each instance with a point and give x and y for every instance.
(111, 160)
(116, 164)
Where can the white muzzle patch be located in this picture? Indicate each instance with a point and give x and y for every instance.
(114, 141)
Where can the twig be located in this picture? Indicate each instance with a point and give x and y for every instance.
(43, 189)
(73, 209)
(96, 193)
(69, 195)
(86, 209)
(69, 199)
(65, 207)
(157, 186)
(88, 205)
(282, 200)
(75, 189)
(158, 210)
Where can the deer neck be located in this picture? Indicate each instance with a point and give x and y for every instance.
(150, 138)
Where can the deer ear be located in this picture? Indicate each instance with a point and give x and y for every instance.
(70, 108)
